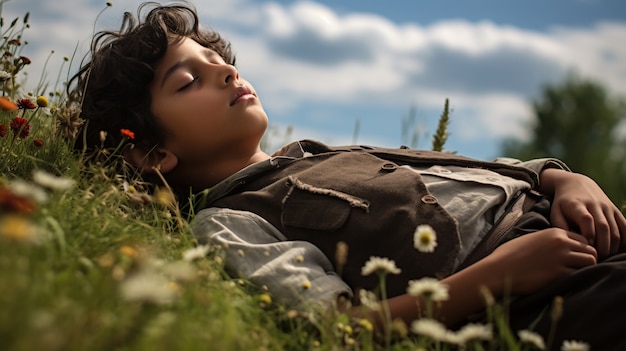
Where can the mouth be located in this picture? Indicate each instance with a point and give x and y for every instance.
(242, 93)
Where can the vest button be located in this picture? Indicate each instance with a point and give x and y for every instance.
(429, 199)
(388, 167)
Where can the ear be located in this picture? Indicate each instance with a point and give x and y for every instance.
(160, 158)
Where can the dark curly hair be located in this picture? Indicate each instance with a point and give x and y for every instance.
(112, 84)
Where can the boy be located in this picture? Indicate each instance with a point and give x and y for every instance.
(532, 229)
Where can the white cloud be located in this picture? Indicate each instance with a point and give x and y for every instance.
(307, 53)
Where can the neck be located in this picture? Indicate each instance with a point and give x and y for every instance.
(205, 176)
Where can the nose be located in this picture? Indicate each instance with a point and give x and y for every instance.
(229, 75)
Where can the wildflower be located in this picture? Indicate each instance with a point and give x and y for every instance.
(52, 182)
(265, 299)
(128, 251)
(25, 60)
(430, 328)
(195, 253)
(530, 337)
(18, 228)
(473, 331)
(180, 271)
(14, 41)
(38, 142)
(68, 121)
(20, 127)
(379, 264)
(4, 75)
(165, 197)
(26, 104)
(148, 287)
(425, 238)
(369, 300)
(127, 133)
(12, 202)
(399, 328)
(573, 345)
(557, 309)
(7, 105)
(3, 130)
(366, 324)
(341, 254)
(430, 288)
(42, 101)
(103, 136)
(29, 190)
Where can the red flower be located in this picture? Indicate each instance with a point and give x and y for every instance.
(38, 142)
(3, 130)
(127, 133)
(14, 203)
(21, 126)
(14, 41)
(26, 104)
(26, 60)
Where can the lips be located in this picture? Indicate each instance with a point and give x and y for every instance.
(239, 93)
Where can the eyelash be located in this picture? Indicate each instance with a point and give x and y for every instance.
(184, 87)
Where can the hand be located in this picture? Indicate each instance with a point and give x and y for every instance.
(580, 205)
(531, 261)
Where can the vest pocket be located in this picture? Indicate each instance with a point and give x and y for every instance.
(309, 207)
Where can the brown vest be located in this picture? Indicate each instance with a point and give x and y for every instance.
(363, 199)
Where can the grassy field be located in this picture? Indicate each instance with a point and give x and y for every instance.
(90, 261)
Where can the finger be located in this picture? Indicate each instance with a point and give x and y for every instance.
(601, 229)
(557, 218)
(580, 260)
(621, 223)
(614, 231)
(579, 244)
(585, 222)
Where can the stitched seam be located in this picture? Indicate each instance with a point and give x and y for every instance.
(351, 200)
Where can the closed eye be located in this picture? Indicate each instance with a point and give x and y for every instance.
(184, 87)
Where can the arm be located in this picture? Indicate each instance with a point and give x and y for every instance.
(518, 267)
(580, 205)
(294, 272)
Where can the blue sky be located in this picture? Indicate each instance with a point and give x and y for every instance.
(323, 66)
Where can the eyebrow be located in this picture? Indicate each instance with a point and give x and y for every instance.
(207, 52)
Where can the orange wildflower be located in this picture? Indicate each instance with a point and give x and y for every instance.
(14, 203)
(128, 133)
(7, 105)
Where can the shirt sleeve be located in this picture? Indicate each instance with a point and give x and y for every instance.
(536, 165)
(296, 273)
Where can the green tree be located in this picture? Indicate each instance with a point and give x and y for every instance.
(578, 122)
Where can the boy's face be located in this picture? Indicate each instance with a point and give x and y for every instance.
(206, 109)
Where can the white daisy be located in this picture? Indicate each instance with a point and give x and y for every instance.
(430, 288)
(473, 331)
(532, 338)
(52, 182)
(195, 253)
(573, 345)
(430, 328)
(425, 238)
(148, 287)
(379, 264)
(369, 299)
